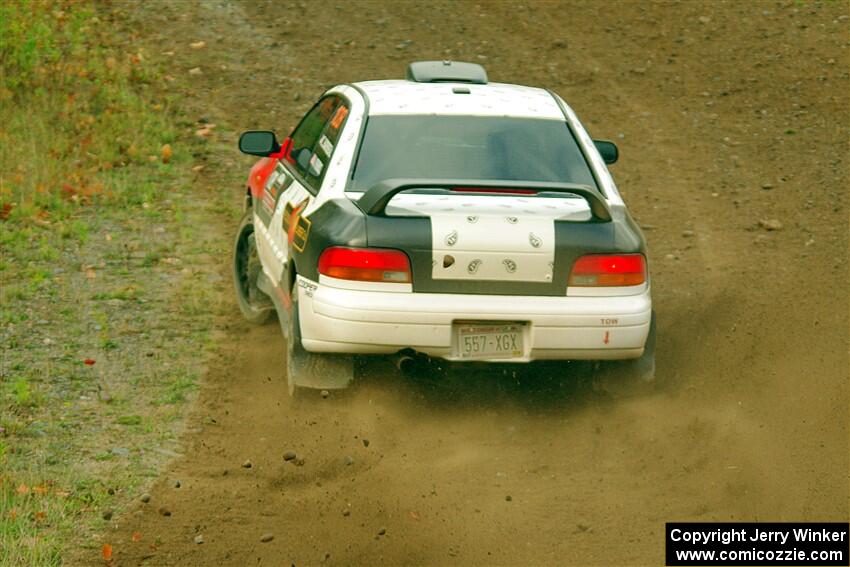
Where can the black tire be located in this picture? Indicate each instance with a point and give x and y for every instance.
(253, 303)
(630, 377)
(308, 373)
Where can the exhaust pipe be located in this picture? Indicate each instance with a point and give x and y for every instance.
(405, 363)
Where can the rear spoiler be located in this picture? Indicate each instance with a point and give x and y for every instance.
(374, 200)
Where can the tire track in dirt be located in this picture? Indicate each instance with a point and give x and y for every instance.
(752, 422)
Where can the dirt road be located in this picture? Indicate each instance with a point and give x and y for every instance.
(726, 115)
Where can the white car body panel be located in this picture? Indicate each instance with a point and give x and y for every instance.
(492, 99)
(371, 321)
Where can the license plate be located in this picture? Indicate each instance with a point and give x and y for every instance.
(486, 341)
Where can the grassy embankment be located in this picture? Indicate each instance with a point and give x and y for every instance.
(108, 278)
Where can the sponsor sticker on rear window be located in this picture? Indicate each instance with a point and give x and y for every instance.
(316, 165)
(326, 145)
(340, 115)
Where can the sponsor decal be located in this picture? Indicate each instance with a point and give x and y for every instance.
(269, 200)
(308, 287)
(286, 219)
(451, 238)
(510, 265)
(277, 183)
(297, 228)
(326, 145)
(339, 117)
(473, 266)
(534, 240)
(301, 234)
(511, 220)
(316, 165)
(472, 219)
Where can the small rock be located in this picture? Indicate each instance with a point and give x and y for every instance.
(145, 497)
(247, 464)
(120, 451)
(382, 531)
(197, 44)
(559, 44)
(164, 511)
(767, 186)
(289, 456)
(704, 19)
(176, 484)
(299, 462)
(265, 538)
(195, 71)
(404, 44)
(348, 460)
(107, 514)
(365, 442)
(325, 393)
(346, 512)
(508, 498)
(688, 233)
(199, 539)
(770, 224)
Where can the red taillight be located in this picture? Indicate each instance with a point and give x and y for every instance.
(604, 270)
(365, 264)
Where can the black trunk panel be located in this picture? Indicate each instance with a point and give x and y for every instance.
(572, 239)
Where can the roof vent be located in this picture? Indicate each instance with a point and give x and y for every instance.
(446, 72)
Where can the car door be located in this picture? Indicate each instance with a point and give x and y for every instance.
(294, 183)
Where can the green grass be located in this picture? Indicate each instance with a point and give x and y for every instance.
(86, 276)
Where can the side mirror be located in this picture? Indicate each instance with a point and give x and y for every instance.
(608, 150)
(258, 143)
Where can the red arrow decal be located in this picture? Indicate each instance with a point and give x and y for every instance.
(605, 340)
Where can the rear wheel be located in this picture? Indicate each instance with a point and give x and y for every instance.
(307, 373)
(253, 303)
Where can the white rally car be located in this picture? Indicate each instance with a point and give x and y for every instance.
(443, 215)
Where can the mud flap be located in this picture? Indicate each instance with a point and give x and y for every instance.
(322, 371)
(304, 369)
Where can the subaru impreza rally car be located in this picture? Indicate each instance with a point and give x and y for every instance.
(443, 215)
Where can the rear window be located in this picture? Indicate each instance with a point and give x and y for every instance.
(468, 147)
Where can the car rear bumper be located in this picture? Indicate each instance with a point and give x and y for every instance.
(377, 322)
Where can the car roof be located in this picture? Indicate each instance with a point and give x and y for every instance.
(404, 97)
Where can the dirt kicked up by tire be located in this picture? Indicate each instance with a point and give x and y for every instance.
(732, 125)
